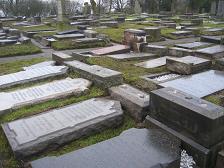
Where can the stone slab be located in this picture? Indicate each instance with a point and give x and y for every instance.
(194, 45)
(68, 32)
(212, 39)
(40, 65)
(36, 94)
(133, 100)
(199, 85)
(117, 49)
(68, 36)
(220, 160)
(7, 42)
(60, 57)
(179, 52)
(187, 65)
(156, 49)
(32, 135)
(101, 76)
(140, 148)
(31, 75)
(132, 56)
(213, 52)
(154, 63)
(195, 118)
(182, 33)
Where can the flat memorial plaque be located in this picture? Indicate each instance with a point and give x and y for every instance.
(33, 134)
(31, 75)
(37, 94)
(199, 85)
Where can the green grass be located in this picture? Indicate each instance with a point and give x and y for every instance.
(166, 32)
(20, 49)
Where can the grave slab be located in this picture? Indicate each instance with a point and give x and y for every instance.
(194, 45)
(101, 76)
(154, 63)
(68, 36)
(212, 39)
(219, 64)
(4, 42)
(199, 85)
(68, 32)
(31, 75)
(133, 100)
(132, 56)
(140, 148)
(37, 94)
(40, 65)
(117, 49)
(32, 135)
(187, 65)
(60, 57)
(213, 52)
(179, 52)
(156, 49)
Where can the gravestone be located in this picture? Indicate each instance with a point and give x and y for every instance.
(1, 25)
(31, 75)
(213, 8)
(101, 76)
(116, 49)
(194, 45)
(133, 100)
(213, 31)
(220, 11)
(37, 20)
(32, 135)
(154, 34)
(69, 36)
(61, 57)
(197, 22)
(212, 39)
(199, 85)
(187, 65)
(213, 52)
(37, 94)
(220, 159)
(134, 148)
(132, 56)
(156, 49)
(219, 64)
(90, 33)
(40, 65)
(179, 52)
(112, 24)
(68, 32)
(154, 63)
(4, 42)
(180, 34)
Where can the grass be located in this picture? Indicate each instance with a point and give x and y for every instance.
(166, 32)
(20, 49)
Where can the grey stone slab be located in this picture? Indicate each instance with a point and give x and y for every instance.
(132, 56)
(219, 64)
(61, 57)
(213, 52)
(68, 32)
(36, 94)
(68, 36)
(199, 85)
(32, 135)
(179, 52)
(88, 40)
(212, 39)
(134, 148)
(154, 63)
(101, 76)
(193, 117)
(117, 49)
(187, 65)
(156, 49)
(90, 33)
(194, 45)
(135, 101)
(182, 33)
(30, 75)
(7, 42)
(40, 65)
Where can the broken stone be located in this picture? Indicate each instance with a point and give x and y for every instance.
(53, 128)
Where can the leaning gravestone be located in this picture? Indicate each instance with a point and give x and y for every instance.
(199, 85)
(33, 95)
(52, 128)
(134, 148)
(135, 101)
(31, 75)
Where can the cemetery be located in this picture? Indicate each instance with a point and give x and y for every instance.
(112, 84)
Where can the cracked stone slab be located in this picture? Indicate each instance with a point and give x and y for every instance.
(40, 65)
(134, 148)
(30, 75)
(33, 95)
(101, 76)
(32, 135)
(135, 101)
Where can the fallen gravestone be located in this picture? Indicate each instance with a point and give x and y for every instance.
(61, 57)
(117, 49)
(31, 75)
(134, 148)
(194, 45)
(7, 42)
(199, 85)
(40, 65)
(133, 100)
(31, 135)
(68, 36)
(132, 56)
(213, 52)
(68, 32)
(101, 76)
(36, 94)
(154, 63)
(187, 65)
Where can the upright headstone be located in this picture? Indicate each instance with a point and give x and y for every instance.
(60, 10)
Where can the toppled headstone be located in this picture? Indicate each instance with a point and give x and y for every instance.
(40, 65)
(31, 75)
(117, 49)
(101, 76)
(131, 149)
(194, 45)
(36, 94)
(133, 100)
(68, 32)
(132, 56)
(154, 63)
(53, 128)
(61, 57)
(187, 65)
(199, 85)
(213, 52)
